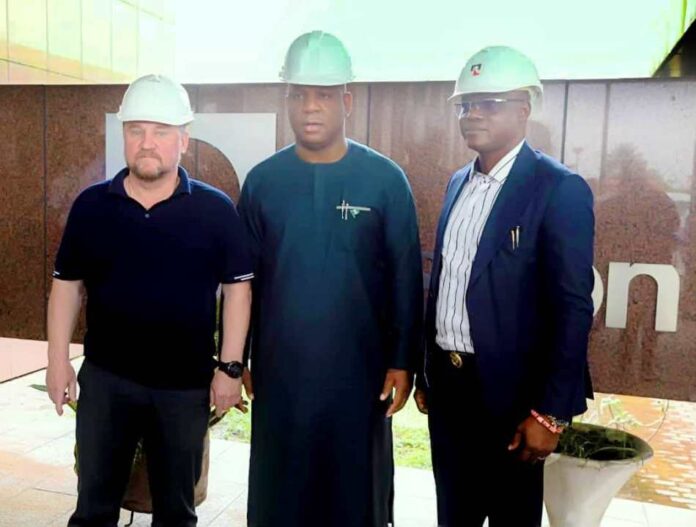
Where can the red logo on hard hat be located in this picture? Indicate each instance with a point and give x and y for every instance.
(476, 70)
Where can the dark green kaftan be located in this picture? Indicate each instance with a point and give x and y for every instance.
(337, 301)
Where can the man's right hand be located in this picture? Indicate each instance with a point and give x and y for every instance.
(61, 383)
(421, 398)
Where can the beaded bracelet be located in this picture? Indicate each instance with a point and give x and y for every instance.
(551, 427)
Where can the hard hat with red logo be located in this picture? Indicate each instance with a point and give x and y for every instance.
(498, 69)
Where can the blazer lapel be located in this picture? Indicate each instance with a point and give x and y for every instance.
(509, 206)
(450, 200)
(453, 192)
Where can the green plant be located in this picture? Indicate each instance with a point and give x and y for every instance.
(236, 427)
(587, 441)
(602, 432)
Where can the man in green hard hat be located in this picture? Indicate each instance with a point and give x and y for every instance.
(337, 310)
(510, 306)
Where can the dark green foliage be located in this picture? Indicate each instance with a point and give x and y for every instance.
(586, 441)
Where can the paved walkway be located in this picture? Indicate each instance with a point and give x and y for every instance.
(670, 428)
(37, 484)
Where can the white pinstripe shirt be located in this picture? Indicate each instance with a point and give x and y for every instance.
(462, 234)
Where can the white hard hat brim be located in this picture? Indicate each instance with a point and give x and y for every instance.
(156, 98)
(458, 94)
(535, 92)
(314, 82)
(155, 119)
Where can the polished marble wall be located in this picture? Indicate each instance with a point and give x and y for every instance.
(22, 212)
(634, 141)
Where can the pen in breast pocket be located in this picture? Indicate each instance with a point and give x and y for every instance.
(517, 236)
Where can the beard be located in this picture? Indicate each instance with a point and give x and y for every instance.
(147, 171)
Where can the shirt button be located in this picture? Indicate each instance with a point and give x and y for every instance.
(147, 215)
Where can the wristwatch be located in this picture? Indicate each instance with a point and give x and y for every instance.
(234, 369)
(560, 423)
(551, 423)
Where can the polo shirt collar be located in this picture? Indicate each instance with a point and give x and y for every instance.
(184, 186)
(116, 185)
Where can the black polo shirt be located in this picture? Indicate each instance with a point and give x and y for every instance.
(151, 277)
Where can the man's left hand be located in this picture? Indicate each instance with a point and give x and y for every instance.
(225, 392)
(401, 382)
(533, 441)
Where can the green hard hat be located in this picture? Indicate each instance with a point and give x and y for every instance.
(317, 59)
(498, 69)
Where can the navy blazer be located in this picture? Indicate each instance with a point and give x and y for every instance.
(530, 307)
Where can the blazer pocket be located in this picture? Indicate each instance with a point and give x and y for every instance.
(523, 251)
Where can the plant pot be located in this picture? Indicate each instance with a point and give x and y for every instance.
(578, 491)
(138, 497)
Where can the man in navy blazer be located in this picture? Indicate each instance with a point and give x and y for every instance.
(509, 308)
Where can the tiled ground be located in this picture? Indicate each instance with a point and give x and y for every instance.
(37, 484)
(670, 428)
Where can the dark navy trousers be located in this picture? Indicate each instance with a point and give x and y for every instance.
(475, 475)
(113, 414)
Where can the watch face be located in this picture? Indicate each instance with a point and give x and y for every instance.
(233, 369)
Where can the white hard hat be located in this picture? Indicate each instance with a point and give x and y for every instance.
(498, 69)
(317, 59)
(158, 99)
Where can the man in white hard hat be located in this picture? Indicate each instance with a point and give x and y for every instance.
(150, 248)
(509, 308)
(338, 308)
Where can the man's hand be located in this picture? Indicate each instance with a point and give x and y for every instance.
(61, 383)
(421, 398)
(400, 381)
(225, 392)
(533, 441)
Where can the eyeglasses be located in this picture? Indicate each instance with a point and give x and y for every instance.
(484, 106)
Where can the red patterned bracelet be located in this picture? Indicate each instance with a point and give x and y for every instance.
(551, 427)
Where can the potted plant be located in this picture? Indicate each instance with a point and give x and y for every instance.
(590, 465)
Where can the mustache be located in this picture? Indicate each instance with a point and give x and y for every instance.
(148, 155)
